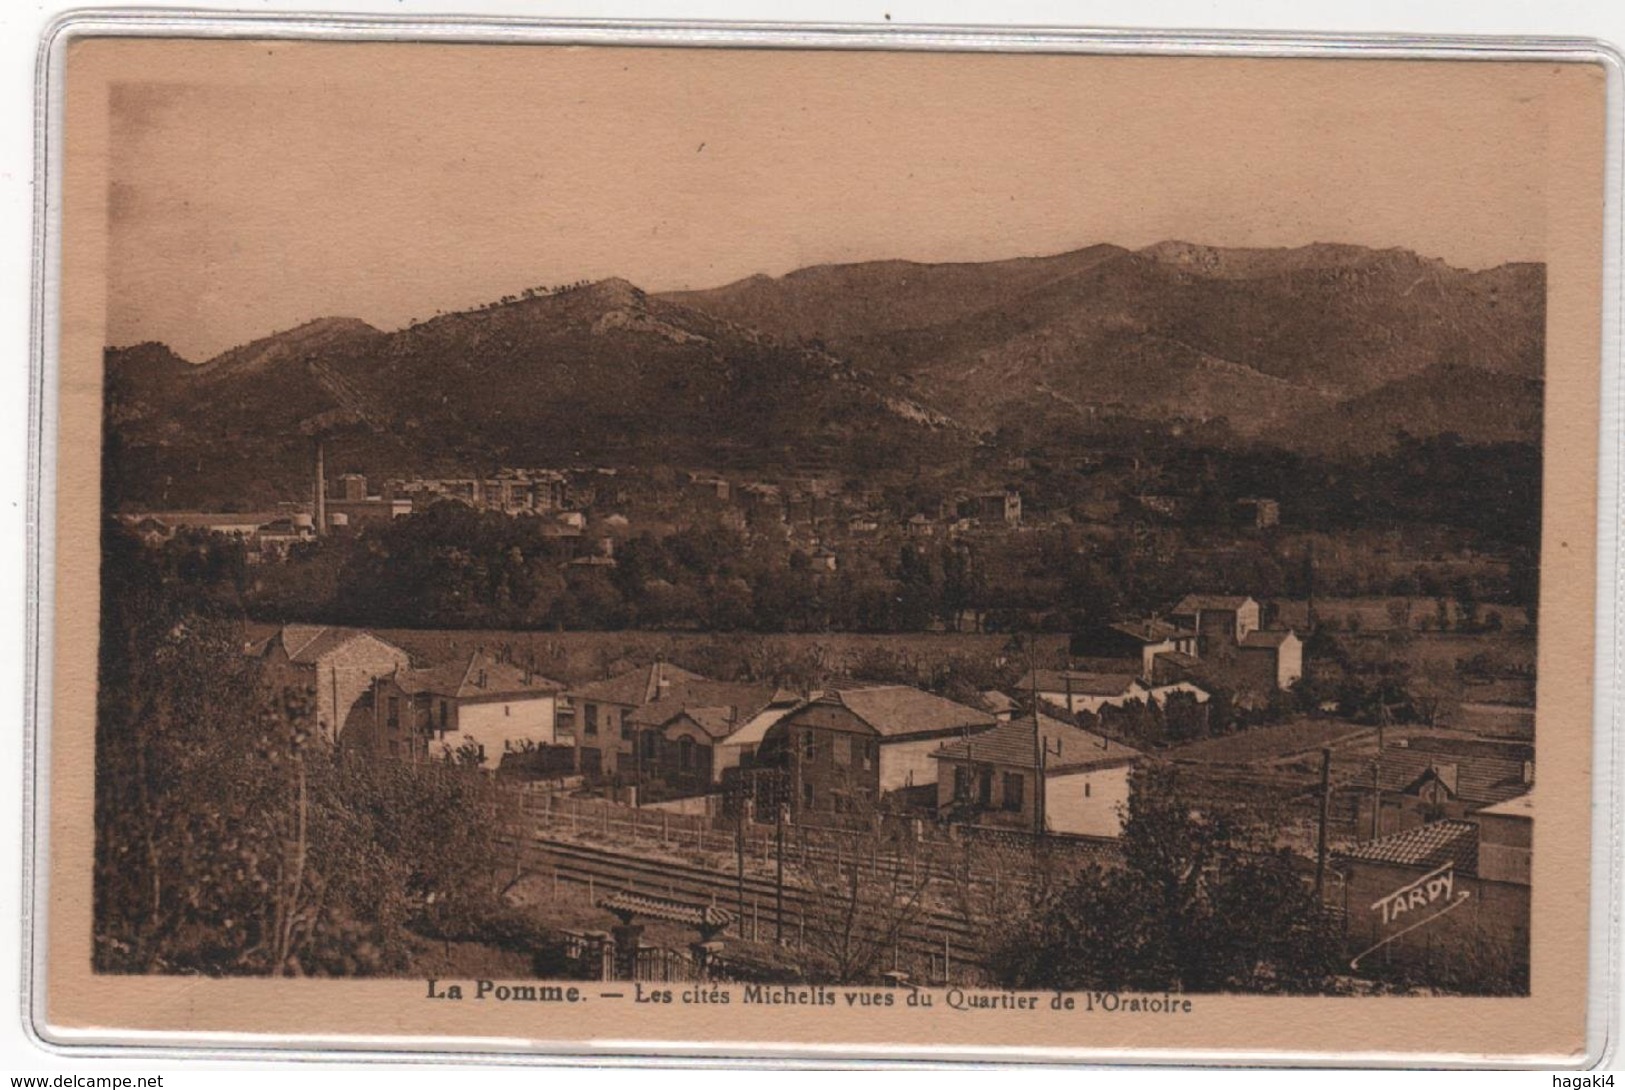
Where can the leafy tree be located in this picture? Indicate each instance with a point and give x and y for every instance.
(1193, 907)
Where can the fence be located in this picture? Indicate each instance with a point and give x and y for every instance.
(593, 954)
(944, 852)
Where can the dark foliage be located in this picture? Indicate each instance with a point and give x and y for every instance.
(1193, 908)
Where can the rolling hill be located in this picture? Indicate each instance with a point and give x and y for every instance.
(1326, 349)
(1257, 337)
(600, 373)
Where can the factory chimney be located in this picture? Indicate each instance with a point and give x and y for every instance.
(321, 491)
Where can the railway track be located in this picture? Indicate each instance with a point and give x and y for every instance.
(929, 932)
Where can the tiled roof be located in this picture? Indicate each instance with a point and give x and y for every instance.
(1180, 659)
(1477, 781)
(746, 699)
(756, 727)
(634, 687)
(898, 710)
(1081, 682)
(1150, 631)
(717, 723)
(1192, 603)
(307, 643)
(1069, 748)
(461, 679)
(1272, 638)
(1426, 846)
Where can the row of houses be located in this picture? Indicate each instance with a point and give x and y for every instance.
(831, 753)
(848, 749)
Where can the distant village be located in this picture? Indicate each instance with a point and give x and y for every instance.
(594, 505)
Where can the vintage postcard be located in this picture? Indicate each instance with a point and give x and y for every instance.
(636, 548)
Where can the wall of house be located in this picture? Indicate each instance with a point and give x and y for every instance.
(908, 762)
(664, 757)
(348, 671)
(1504, 844)
(1289, 663)
(1090, 803)
(497, 724)
(609, 738)
(724, 756)
(1487, 934)
(370, 728)
(819, 767)
(1009, 794)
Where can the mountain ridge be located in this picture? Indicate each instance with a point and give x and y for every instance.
(845, 364)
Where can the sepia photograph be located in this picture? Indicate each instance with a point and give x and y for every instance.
(790, 529)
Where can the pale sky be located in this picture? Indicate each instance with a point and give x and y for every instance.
(255, 186)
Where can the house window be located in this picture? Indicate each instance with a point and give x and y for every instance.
(809, 746)
(1085, 788)
(507, 709)
(589, 718)
(442, 716)
(651, 745)
(1014, 790)
(685, 753)
(807, 795)
(843, 749)
(394, 717)
(984, 790)
(961, 783)
(871, 754)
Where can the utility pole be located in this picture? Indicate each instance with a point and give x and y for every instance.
(1325, 813)
(779, 779)
(1376, 775)
(637, 762)
(1038, 749)
(739, 849)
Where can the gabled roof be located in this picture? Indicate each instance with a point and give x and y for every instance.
(1444, 773)
(756, 727)
(1070, 748)
(1426, 846)
(634, 687)
(1523, 806)
(461, 679)
(1080, 682)
(744, 698)
(896, 711)
(1151, 630)
(716, 723)
(1268, 639)
(1478, 781)
(305, 644)
(1218, 603)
